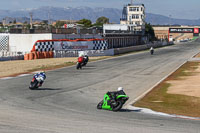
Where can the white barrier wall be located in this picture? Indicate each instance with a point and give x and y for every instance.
(25, 42)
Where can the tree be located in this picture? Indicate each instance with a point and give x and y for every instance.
(102, 20)
(85, 22)
(150, 32)
(59, 24)
(45, 22)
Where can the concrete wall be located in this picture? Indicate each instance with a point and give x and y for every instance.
(25, 42)
(90, 53)
(138, 48)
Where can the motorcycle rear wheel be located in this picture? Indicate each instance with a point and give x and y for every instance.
(118, 107)
(78, 66)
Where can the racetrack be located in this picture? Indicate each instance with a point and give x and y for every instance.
(66, 103)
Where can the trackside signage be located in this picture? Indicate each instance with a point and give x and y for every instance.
(184, 30)
(67, 45)
(196, 30)
(181, 30)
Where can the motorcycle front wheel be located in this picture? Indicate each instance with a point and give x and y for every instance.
(33, 85)
(77, 65)
(99, 106)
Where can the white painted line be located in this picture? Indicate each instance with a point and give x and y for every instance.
(22, 75)
(149, 111)
(6, 78)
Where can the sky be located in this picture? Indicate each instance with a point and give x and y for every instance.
(183, 9)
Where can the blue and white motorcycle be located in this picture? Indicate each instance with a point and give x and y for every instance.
(37, 80)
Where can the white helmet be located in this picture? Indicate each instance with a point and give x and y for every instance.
(120, 88)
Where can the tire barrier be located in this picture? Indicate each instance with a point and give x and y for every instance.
(67, 48)
(38, 55)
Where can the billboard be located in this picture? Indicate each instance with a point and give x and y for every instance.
(196, 30)
(66, 45)
(181, 30)
(184, 30)
(73, 45)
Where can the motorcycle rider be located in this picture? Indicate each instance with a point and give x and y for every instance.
(151, 50)
(40, 77)
(80, 58)
(114, 94)
(86, 58)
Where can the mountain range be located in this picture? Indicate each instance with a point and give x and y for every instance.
(69, 13)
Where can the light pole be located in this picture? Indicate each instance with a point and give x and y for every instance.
(169, 28)
(170, 20)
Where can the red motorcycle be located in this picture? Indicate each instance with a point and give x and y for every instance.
(82, 61)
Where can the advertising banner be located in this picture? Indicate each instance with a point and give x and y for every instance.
(181, 30)
(196, 30)
(67, 45)
(73, 45)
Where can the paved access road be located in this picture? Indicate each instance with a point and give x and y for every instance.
(67, 101)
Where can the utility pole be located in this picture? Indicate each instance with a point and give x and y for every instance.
(131, 2)
(49, 19)
(31, 20)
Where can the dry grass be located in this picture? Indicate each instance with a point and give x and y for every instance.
(160, 100)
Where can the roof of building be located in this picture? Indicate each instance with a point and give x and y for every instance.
(135, 4)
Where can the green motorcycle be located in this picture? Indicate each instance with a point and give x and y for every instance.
(113, 104)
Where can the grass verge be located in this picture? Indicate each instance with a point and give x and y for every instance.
(159, 100)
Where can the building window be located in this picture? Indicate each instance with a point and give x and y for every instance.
(134, 9)
(130, 18)
(135, 16)
(137, 22)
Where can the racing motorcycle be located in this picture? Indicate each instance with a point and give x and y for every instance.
(82, 61)
(112, 104)
(85, 60)
(37, 81)
(151, 50)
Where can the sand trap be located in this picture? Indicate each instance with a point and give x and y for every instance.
(188, 85)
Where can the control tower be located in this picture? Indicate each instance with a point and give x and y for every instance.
(134, 14)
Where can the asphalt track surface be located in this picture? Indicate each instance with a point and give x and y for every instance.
(66, 103)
